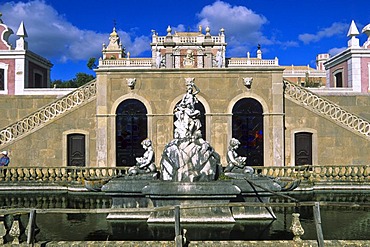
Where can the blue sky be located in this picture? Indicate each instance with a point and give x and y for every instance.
(68, 33)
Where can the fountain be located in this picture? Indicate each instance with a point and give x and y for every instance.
(192, 177)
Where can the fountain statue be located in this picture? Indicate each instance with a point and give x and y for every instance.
(189, 157)
(146, 163)
(190, 172)
(236, 163)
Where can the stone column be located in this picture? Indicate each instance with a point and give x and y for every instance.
(101, 121)
(277, 121)
(208, 57)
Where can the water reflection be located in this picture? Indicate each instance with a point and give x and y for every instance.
(337, 222)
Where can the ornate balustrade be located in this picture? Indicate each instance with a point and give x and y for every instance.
(349, 173)
(59, 174)
(359, 173)
(302, 73)
(327, 109)
(49, 112)
(245, 62)
(129, 62)
(53, 200)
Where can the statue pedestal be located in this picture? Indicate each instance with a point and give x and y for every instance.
(192, 197)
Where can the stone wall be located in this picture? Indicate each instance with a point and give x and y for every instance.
(332, 144)
(13, 108)
(47, 146)
(161, 90)
(358, 104)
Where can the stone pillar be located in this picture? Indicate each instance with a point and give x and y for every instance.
(20, 73)
(170, 58)
(219, 132)
(277, 121)
(101, 121)
(208, 56)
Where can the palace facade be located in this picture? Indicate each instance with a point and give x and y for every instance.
(277, 121)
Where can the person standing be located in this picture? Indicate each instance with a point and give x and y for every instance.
(4, 160)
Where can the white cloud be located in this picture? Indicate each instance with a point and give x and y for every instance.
(242, 25)
(335, 51)
(52, 36)
(335, 29)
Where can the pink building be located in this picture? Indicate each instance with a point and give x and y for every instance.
(350, 69)
(20, 69)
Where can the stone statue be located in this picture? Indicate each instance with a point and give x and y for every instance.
(236, 163)
(189, 59)
(146, 163)
(187, 116)
(219, 59)
(188, 157)
(158, 59)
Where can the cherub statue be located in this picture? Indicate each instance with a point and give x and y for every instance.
(236, 163)
(146, 163)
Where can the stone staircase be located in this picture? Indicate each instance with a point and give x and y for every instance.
(87, 93)
(327, 109)
(46, 114)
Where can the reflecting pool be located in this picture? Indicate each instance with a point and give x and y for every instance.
(338, 222)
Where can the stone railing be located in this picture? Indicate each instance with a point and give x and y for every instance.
(246, 62)
(302, 73)
(126, 62)
(319, 173)
(325, 108)
(53, 200)
(34, 121)
(59, 174)
(188, 39)
(338, 173)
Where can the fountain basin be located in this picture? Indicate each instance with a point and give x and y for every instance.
(200, 202)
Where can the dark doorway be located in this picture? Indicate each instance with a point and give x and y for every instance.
(2, 79)
(199, 106)
(131, 130)
(76, 150)
(247, 127)
(303, 148)
(339, 79)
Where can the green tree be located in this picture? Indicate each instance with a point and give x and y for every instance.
(79, 80)
(83, 78)
(91, 64)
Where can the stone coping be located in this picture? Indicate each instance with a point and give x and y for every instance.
(76, 187)
(277, 243)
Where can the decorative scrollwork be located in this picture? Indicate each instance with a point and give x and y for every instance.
(35, 120)
(327, 109)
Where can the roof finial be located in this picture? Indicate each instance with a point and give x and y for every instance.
(352, 33)
(259, 52)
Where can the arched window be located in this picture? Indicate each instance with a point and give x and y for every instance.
(199, 106)
(247, 127)
(131, 130)
(303, 148)
(76, 153)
